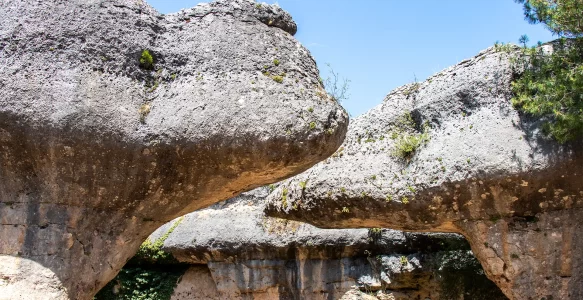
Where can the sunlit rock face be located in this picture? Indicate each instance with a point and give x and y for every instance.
(233, 251)
(102, 142)
(451, 154)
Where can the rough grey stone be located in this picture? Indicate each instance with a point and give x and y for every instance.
(99, 149)
(250, 255)
(485, 170)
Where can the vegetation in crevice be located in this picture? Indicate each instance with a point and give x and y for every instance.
(407, 139)
(147, 60)
(152, 274)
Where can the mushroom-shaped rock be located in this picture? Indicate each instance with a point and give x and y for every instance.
(451, 154)
(242, 253)
(115, 119)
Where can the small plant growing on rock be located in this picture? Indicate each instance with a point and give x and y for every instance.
(408, 144)
(345, 209)
(147, 60)
(404, 260)
(276, 62)
(284, 192)
(303, 184)
(144, 111)
(277, 78)
(312, 125)
(404, 200)
(152, 251)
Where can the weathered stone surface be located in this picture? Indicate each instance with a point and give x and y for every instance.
(250, 256)
(486, 171)
(97, 150)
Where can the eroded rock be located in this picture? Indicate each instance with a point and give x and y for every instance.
(479, 168)
(101, 143)
(236, 252)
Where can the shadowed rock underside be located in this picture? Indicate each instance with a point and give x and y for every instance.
(102, 142)
(477, 167)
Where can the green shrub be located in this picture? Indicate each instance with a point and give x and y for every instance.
(152, 252)
(407, 144)
(142, 283)
(147, 60)
(277, 78)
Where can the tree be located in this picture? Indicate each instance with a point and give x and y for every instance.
(551, 83)
(562, 17)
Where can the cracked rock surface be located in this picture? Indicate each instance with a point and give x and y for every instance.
(100, 143)
(236, 252)
(479, 168)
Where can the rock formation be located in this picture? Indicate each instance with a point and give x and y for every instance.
(234, 252)
(451, 154)
(115, 119)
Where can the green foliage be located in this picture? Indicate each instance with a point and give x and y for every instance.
(277, 78)
(551, 87)
(151, 274)
(276, 62)
(404, 260)
(460, 274)
(312, 125)
(408, 140)
(405, 200)
(151, 252)
(561, 17)
(375, 234)
(407, 144)
(141, 283)
(345, 209)
(551, 83)
(523, 40)
(147, 60)
(303, 184)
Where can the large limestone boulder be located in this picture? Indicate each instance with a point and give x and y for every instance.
(235, 252)
(451, 154)
(102, 142)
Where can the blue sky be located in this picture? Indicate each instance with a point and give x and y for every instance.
(382, 44)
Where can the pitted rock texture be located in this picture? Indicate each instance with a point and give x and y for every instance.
(98, 148)
(483, 170)
(250, 256)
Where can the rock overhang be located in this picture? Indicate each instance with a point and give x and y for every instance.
(478, 167)
(115, 119)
